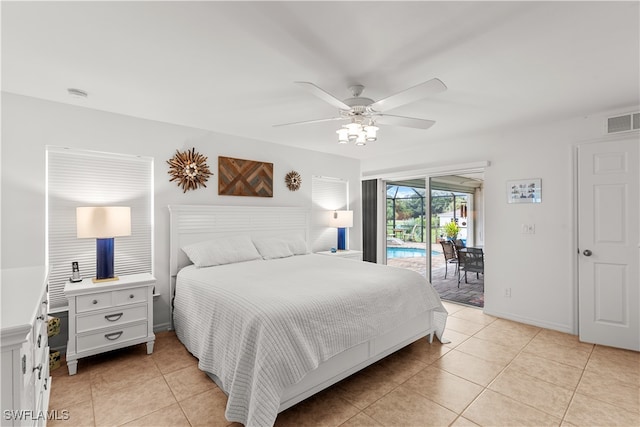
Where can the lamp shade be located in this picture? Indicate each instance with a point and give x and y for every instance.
(341, 219)
(103, 222)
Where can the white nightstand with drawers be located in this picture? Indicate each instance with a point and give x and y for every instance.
(105, 316)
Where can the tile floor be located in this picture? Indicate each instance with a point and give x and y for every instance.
(494, 372)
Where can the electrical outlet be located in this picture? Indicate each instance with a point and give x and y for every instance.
(528, 229)
(507, 292)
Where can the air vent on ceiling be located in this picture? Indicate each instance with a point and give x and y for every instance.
(623, 123)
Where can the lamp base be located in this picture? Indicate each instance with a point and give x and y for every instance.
(342, 239)
(104, 259)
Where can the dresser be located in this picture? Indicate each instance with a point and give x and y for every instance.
(25, 376)
(106, 316)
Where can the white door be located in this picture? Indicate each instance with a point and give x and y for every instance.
(609, 243)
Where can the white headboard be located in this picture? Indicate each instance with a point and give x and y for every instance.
(195, 223)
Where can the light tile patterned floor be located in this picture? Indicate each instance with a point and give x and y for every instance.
(494, 373)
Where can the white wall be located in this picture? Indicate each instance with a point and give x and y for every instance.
(538, 268)
(29, 124)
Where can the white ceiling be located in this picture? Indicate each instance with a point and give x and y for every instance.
(230, 67)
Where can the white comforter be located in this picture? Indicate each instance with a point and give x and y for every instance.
(260, 326)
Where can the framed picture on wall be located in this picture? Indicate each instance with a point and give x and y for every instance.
(524, 191)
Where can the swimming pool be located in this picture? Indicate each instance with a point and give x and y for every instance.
(408, 252)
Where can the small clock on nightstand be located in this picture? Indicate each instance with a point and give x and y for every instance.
(349, 254)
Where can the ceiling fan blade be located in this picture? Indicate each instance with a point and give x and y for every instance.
(408, 122)
(310, 121)
(407, 96)
(325, 96)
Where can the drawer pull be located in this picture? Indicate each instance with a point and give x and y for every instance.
(113, 336)
(45, 302)
(131, 296)
(24, 363)
(95, 301)
(46, 380)
(41, 317)
(39, 369)
(39, 340)
(113, 317)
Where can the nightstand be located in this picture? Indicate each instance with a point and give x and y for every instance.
(109, 315)
(357, 255)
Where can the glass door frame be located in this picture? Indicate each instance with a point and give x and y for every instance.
(426, 174)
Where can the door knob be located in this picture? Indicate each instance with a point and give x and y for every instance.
(587, 252)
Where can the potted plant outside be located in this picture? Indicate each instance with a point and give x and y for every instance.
(451, 230)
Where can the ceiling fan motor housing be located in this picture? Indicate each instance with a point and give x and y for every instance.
(358, 103)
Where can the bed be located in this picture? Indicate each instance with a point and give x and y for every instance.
(272, 324)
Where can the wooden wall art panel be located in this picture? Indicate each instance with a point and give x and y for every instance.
(238, 177)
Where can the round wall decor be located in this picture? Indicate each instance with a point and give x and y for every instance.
(189, 169)
(293, 180)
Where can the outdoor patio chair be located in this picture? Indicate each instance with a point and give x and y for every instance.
(470, 260)
(450, 257)
(459, 244)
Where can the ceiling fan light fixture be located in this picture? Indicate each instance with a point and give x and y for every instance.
(343, 135)
(371, 133)
(357, 133)
(354, 130)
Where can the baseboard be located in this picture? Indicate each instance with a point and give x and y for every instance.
(161, 327)
(567, 329)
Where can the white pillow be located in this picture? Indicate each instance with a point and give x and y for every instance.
(298, 246)
(221, 251)
(272, 247)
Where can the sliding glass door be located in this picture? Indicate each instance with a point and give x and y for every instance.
(407, 229)
(426, 209)
(456, 223)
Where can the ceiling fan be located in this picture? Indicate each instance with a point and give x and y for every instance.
(363, 114)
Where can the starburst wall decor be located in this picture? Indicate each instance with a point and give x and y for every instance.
(293, 180)
(189, 169)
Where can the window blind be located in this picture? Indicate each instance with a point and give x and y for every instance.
(441, 186)
(85, 178)
(327, 194)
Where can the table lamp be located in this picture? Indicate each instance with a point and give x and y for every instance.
(103, 223)
(341, 220)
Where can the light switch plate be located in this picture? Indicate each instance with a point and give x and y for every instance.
(528, 229)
